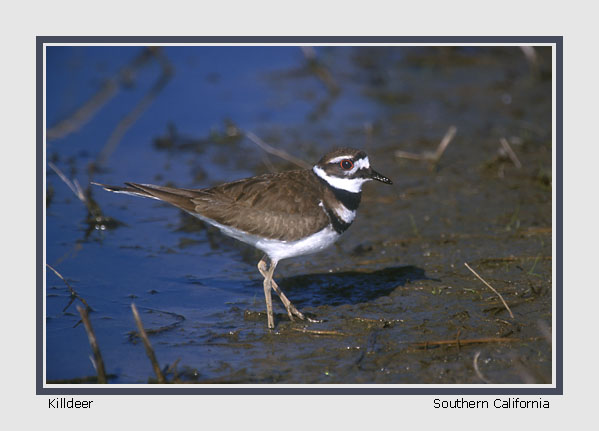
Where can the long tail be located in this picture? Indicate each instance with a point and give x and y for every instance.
(181, 198)
(130, 189)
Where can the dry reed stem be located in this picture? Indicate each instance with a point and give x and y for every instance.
(178, 319)
(531, 55)
(109, 90)
(308, 52)
(93, 342)
(511, 154)
(276, 152)
(126, 122)
(147, 345)
(429, 156)
(91, 206)
(408, 155)
(73, 185)
(318, 332)
(449, 135)
(84, 113)
(477, 370)
(463, 342)
(74, 293)
(319, 69)
(492, 288)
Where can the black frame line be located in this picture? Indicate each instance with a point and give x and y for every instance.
(241, 40)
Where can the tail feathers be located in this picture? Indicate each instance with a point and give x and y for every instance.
(128, 190)
(181, 198)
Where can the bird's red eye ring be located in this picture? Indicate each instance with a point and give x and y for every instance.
(347, 164)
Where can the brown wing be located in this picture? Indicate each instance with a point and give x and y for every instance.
(282, 206)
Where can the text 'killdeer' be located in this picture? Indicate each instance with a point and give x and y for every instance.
(285, 214)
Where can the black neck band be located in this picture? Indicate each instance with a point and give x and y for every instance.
(339, 225)
(350, 200)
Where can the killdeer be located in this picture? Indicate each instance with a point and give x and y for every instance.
(286, 214)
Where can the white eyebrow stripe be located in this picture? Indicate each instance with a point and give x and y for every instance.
(338, 159)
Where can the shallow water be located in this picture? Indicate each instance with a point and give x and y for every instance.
(396, 302)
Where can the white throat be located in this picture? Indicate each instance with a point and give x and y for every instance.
(353, 185)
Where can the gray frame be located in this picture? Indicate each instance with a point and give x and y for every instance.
(194, 390)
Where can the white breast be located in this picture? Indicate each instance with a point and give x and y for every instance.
(318, 241)
(277, 249)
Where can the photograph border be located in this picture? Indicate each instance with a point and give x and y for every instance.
(147, 389)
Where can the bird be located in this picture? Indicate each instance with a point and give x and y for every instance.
(285, 214)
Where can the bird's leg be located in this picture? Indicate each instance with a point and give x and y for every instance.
(291, 310)
(267, 274)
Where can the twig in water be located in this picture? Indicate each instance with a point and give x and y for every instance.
(74, 294)
(108, 90)
(147, 345)
(449, 135)
(411, 156)
(463, 342)
(84, 113)
(172, 368)
(95, 219)
(124, 125)
(505, 145)
(429, 156)
(318, 69)
(318, 332)
(92, 208)
(457, 339)
(308, 52)
(531, 56)
(73, 185)
(477, 371)
(93, 342)
(276, 152)
(492, 288)
(178, 319)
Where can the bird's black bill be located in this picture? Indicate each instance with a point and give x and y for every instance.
(376, 176)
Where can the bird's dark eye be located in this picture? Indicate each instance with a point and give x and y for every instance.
(347, 164)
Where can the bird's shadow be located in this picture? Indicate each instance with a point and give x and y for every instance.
(349, 287)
